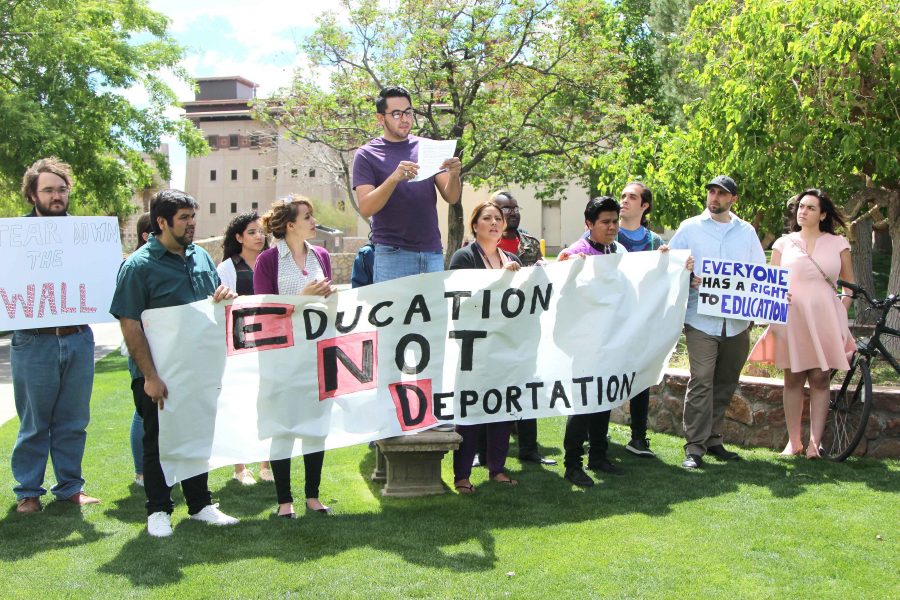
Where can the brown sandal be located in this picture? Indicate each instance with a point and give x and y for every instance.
(508, 481)
(464, 488)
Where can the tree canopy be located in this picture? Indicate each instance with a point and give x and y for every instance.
(530, 88)
(64, 65)
(793, 95)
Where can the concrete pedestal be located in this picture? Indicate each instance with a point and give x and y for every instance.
(411, 464)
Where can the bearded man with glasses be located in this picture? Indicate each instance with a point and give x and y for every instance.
(403, 212)
(53, 374)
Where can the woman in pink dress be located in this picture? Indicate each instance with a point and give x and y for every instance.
(816, 338)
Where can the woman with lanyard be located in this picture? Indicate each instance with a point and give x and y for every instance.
(294, 267)
(487, 225)
(242, 243)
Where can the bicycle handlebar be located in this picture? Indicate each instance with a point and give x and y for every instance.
(891, 301)
(856, 290)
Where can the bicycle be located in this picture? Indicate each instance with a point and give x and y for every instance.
(849, 409)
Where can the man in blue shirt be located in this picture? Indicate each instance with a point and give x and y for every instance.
(169, 270)
(717, 347)
(636, 201)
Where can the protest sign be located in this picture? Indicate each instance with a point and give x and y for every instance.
(745, 291)
(267, 377)
(57, 271)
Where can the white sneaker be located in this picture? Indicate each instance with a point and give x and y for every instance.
(159, 524)
(139, 480)
(245, 477)
(212, 515)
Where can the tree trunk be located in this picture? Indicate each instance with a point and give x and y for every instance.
(861, 255)
(893, 342)
(882, 238)
(455, 230)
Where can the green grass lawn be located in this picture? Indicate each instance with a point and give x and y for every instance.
(763, 528)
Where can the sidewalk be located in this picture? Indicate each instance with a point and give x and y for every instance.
(107, 338)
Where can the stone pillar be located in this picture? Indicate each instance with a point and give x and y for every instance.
(414, 462)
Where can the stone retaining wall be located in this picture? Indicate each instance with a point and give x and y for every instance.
(342, 267)
(756, 415)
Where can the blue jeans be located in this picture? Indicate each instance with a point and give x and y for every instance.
(52, 381)
(137, 443)
(392, 262)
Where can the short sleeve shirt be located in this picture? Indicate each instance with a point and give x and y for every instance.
(153, 277)
(409, 218)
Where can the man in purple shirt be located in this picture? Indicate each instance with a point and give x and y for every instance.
(404, 212)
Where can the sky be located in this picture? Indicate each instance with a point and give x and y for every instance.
(258, 41)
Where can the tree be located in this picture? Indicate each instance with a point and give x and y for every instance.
(794, 95)
(529, 88)
(64, 65)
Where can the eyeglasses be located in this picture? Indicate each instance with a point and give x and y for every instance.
(398, 114)
(510, 209)
(62, 191)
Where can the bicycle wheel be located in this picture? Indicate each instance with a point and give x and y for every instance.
(849, 411)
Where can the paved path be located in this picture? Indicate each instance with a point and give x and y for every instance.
(107, 338)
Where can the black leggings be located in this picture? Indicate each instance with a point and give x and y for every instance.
(640, 407)
(281, 471)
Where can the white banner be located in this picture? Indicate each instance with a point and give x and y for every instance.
(57, 271)
(276, 376)
(745, 291)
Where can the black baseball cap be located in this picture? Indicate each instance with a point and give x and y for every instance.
(724, 182)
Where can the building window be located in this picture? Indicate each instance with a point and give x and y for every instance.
(294, 172)
(312, 172)
(254, 174)
(254, 205)
(212, 175)
(213, 141)
(275, 172)
(212, 208)
(234, 174)
(233, 207)
(233, 140)
(254, 140)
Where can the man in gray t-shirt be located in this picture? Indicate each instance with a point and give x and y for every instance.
(404, 213)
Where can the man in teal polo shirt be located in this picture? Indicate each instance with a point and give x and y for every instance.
(169, 270)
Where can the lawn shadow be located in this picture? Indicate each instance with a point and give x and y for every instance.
(456, 533)
(61, 525)
(123, 508)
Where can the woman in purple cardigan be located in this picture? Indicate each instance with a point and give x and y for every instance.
(293, 266)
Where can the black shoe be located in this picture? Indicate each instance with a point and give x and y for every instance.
(534, 457)
(640, 448)
(692, 461)
(723, 454)
(603, 464)
(577, 476)
(478, 461)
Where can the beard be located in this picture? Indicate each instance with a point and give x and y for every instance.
(52, 208)
(186, 239)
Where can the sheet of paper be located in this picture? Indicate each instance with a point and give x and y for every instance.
(431, 154)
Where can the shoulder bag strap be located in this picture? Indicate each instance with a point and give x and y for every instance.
(803, 250)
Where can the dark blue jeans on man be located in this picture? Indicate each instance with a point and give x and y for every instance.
(52, 380)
